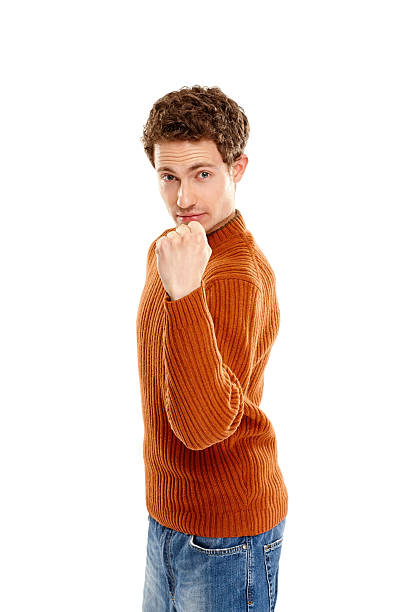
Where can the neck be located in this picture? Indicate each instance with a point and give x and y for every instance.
(222, 222)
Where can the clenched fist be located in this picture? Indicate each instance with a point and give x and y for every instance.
(182, 256)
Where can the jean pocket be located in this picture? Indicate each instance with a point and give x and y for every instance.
(272, 554)
(217, 546)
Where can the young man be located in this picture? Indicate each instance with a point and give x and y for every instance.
(207, 319)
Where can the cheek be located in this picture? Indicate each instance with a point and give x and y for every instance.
(165, 189)
(219, 189)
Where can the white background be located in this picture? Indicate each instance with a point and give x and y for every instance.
(324, 86)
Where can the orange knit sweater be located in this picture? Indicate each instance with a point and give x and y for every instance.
(210, 452)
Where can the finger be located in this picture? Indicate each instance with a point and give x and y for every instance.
(183, 229)
(173, 235)
(196, 227)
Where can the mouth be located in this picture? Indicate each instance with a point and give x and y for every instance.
(190, 217)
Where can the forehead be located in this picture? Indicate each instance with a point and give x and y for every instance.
(183, 152)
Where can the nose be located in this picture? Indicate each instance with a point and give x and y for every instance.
(185, 197)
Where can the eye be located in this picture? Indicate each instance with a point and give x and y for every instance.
(171, 175)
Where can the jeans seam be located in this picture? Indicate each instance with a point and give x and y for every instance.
(250, 560)
(173, 595)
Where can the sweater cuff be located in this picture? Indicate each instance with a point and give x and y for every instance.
(187, 310)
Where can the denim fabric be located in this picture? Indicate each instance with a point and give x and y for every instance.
(190, 573)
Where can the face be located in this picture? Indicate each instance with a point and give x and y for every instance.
(207, 189)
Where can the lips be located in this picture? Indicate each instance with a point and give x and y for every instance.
(192, 215)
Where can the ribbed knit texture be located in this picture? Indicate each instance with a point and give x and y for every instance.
(210, 453)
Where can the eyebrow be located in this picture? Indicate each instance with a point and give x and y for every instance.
(194, 167)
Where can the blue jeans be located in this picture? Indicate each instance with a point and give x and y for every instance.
(190, 573)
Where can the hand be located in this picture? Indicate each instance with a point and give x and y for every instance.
(182, 256)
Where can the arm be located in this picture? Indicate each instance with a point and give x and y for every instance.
(210, 339)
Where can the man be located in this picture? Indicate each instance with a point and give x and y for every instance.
(207, 319)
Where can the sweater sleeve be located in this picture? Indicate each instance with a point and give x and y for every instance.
(210, 338)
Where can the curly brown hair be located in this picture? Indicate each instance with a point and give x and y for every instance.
(193, 113)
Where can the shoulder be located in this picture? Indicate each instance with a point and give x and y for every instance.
(236, 262)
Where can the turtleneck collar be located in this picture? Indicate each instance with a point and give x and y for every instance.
(231, 228)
